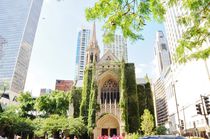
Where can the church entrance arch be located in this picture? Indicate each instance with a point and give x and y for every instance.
(108, 125)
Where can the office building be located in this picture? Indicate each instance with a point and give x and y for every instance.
(118, 47)
(162, 54)
(64, 85)
(162, 58)
(161, 106)
(18, 24)
(82, 43)
(188, 81)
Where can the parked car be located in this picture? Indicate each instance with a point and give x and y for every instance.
(163, 137)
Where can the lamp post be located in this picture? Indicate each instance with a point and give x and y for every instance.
(185, 128)
(177, 110)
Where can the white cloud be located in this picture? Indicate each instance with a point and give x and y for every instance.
(138, 71)
(142, 69)
(150, 69)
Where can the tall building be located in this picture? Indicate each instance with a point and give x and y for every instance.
(160, 102)
(162, 57)
(82, 43)
(64, 85)
(188, 81)
(118, 47)
(18, 24)
(162, 53)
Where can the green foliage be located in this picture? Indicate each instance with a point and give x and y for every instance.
(129, 98)
(55, 103)
(11, 123)
(51, 125)
(197, 23)
(129, 16)
(147, 123)
(132, 136)
(86, 94)
(76, 126)
(161, 130)
(133, 103)
(55, 123)
(38, 123)
(8, 120)
(75, 98)
(145, 98)
(26, 105)
(124, 97)
(93, 106)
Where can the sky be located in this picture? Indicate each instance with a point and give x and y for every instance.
(54, 50)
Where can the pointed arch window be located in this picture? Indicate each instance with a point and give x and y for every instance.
(110, 92)
(91, 58)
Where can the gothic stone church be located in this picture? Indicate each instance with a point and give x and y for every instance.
(101, 96)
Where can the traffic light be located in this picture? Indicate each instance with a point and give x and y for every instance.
(182, 124)
(206, 101)
(198, 108)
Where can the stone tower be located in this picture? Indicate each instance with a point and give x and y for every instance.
(92, 51)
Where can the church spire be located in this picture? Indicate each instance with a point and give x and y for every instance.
(94, 34)
(92, 52)
(93, 40)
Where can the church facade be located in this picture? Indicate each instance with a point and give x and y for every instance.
(104, 115)
(108, 118)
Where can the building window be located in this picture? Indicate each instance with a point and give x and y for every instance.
(110, 92)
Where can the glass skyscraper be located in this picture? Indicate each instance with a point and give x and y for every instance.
(162, 54)
(18, 24)
(118, 47)
(82, 43)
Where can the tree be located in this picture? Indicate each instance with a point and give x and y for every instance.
(76, 126)
(55, 123)
(75, 98)
(130, 16)
(26, 105)
(161, 130)
(147, 123)
(8, 120)
(51, 125)
(197, 23)
(55, 103)
(11, 123)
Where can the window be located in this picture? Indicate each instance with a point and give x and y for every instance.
(110, 92)
(163, 46)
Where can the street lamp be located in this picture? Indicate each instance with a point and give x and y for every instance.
(177, 110)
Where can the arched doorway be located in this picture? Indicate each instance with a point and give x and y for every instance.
(107, 125)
